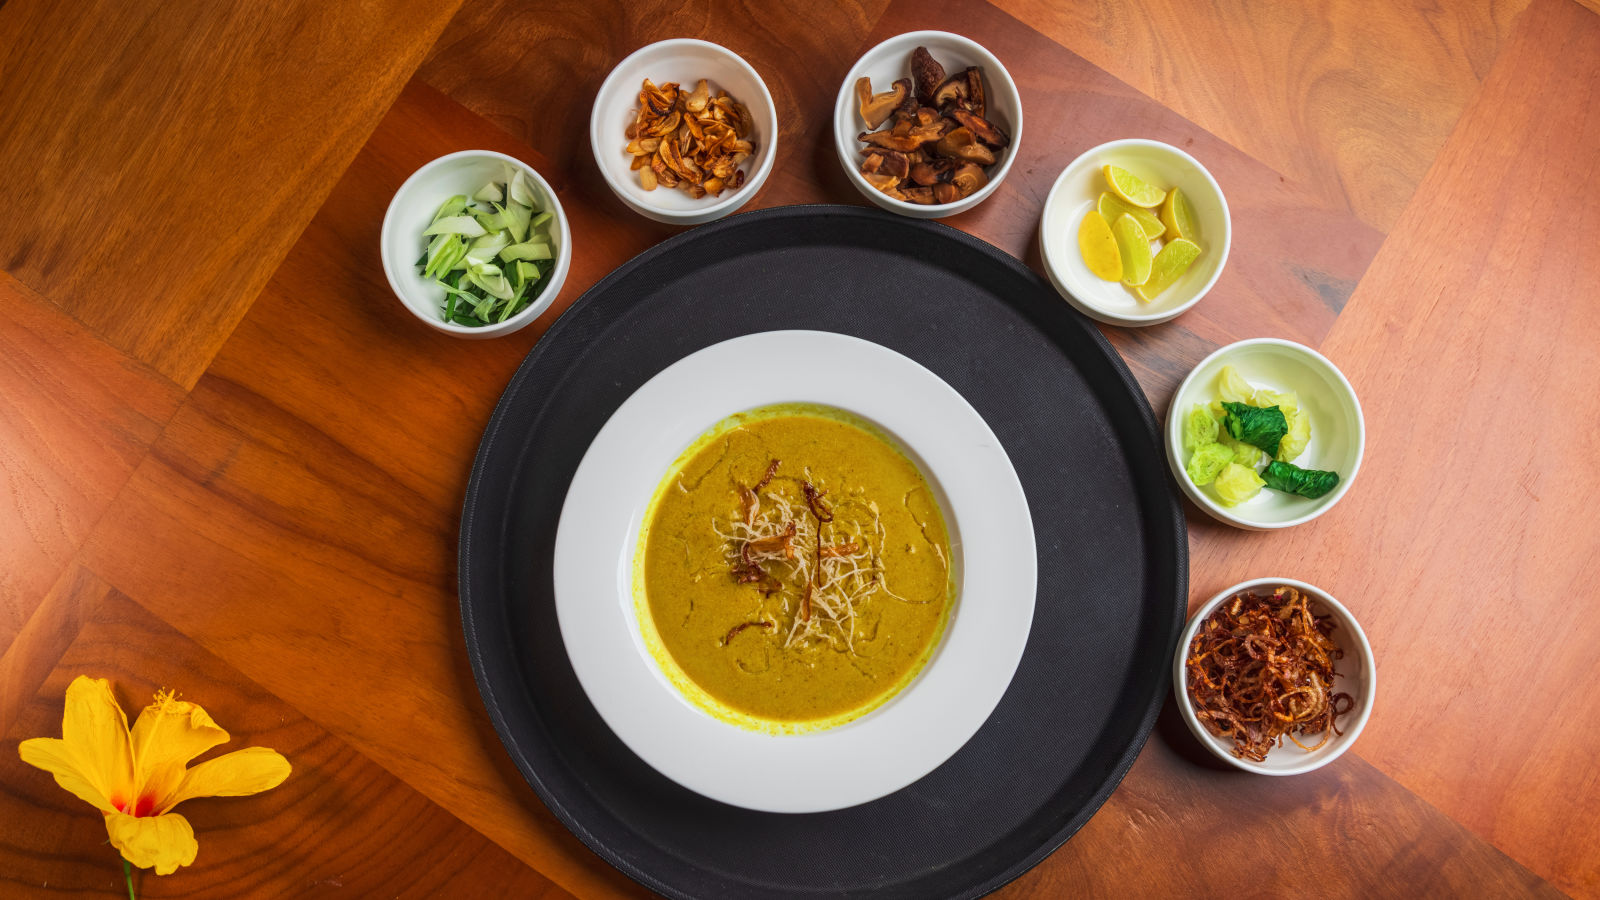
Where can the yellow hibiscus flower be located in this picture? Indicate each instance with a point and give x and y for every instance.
(136, 776)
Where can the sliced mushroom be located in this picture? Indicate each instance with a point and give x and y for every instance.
(969, 179)
(888, 162)
(927, 115)
(982, 128)
(875, 108)
(975, 100)
(945, 192)
(885, 183)
(962, 144)
(909, 104)
(929, 173)
(889, 141)
(922, 195)
(953, 92)
(927, 73)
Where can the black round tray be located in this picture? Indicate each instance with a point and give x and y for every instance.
(1113, 577)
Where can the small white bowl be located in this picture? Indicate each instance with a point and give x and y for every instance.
(413, 208)
(1338, 430)
(891, 61)
(1077, 191)
(684, 61)
(1355, 673)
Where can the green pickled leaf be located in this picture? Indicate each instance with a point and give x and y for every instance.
(1291, 479)
(1294, 443)
(1263, 428)
(1288, 401)
(1207, 462)
(1235, 484)
(489, 193)
(1233, 387)
(1199, 429)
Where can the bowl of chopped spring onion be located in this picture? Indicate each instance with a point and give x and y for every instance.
(475, 244)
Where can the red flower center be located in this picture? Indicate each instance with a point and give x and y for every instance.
(142, 807)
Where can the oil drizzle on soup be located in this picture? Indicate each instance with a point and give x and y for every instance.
(794, 571)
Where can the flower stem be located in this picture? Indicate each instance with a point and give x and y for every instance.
(127, 873)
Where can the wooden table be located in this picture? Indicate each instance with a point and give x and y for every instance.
(234, 466)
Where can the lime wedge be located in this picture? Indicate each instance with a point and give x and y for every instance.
(1170, 264)
(1111, 206)
(1134, 248)
(1132, 188)
(1178, 216)
(1099, 247)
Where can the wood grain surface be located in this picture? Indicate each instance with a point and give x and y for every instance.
(163, 156)
(236, 469)
(1352, 100)
(339, 826)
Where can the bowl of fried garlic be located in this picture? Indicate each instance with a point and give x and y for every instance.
(684, 131)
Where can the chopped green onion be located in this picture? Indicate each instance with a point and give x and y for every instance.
(499, 223)
(519, 191)
(464, 225)
(455, 206)
(530, 250)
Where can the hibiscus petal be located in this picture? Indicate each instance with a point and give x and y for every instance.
(160, 842)
(52, 755)
(166, 736)
(94, 733)
(236, 774)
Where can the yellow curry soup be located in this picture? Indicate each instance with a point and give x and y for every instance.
(794, 570)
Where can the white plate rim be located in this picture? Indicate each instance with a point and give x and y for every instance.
(903, 739)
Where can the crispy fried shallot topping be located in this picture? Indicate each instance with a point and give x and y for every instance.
(734, 631)
(777, 543)
(814, 500)
(772, 469)
(1261, 669)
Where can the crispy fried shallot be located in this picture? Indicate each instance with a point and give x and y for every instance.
(772, 469)
(1261, 669)
(734, 631)
(814, 500)
(778, 543)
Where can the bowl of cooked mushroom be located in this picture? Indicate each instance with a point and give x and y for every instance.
(927, 124)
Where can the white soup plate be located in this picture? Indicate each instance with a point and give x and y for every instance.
(992, 544)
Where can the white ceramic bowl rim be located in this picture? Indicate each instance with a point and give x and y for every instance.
(764, 154)
(1364, 693)
(1097, 310)
(913, 732)
(555, 280)
(1232, 515)
(995, 75)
